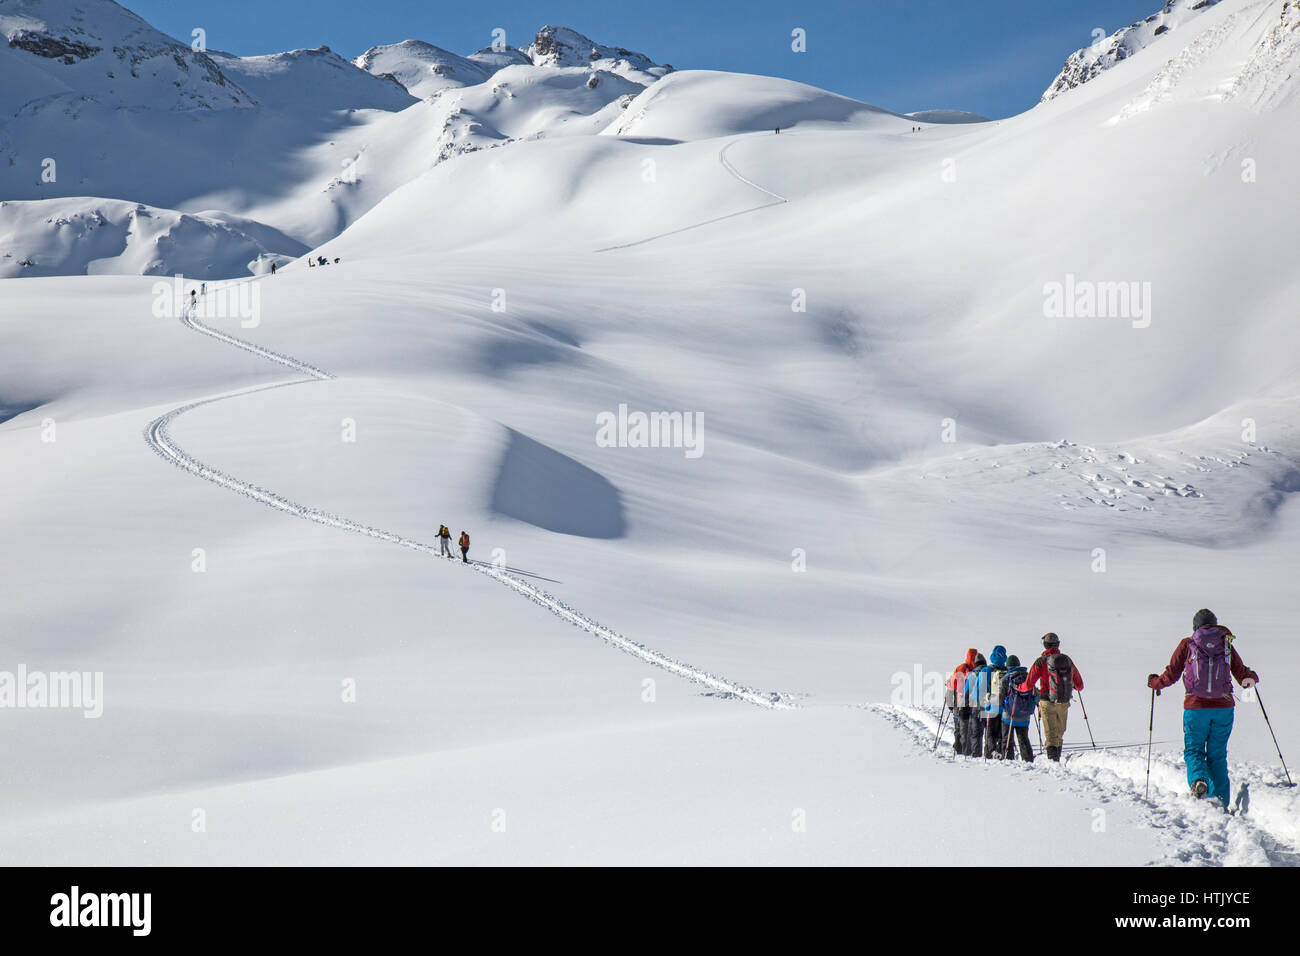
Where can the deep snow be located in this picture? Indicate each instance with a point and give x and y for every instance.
(689, 659)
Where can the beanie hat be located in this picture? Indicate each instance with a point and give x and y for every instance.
(1013, 662)
(980, 661)
(1051, 640)
(1204, 618)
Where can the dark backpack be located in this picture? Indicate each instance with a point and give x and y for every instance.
(1019, 703)
(1060, 677)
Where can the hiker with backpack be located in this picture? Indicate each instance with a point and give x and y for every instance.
(1056, 679)
(464, 547)
(974, 709)
(954, 694)
(444, 540)
(1017, 708)
(1207, 663)
(988, 685)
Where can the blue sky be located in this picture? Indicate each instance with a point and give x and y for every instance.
(993, 58)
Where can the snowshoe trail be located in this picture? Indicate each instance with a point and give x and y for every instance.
(1203, 834)
(777, 200)
(158, 438)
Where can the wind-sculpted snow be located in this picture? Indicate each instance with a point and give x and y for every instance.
(1200, 832)
(157, 436)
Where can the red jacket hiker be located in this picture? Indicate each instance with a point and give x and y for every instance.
(1190, 701)
(1037, 676)
(957, 680)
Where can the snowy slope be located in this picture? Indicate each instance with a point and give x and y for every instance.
(662, 657)
(700, 104)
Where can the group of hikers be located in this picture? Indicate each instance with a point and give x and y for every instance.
(444, 540)
(318, 261)
(993, 700)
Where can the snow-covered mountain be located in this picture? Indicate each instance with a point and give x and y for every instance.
(61, 51)
(296, 144)
(910, 392)
(425, 69)
(1087, 63)
(562, 47)
(81, 236)
(312, 80)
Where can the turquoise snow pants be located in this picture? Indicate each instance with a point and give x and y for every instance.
(1205, 748)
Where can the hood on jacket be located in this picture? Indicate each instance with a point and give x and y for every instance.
(971, 654)
(998, 658)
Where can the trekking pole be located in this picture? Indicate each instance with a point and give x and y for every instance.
(1085, 720)
(1151, 726)
(1289, 781)
(1039, 724)
(942, 720)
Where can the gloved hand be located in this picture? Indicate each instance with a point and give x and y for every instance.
(1153, 681)
(1249, 682)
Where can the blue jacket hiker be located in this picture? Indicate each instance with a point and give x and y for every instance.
(985, 688)
(1017, 708)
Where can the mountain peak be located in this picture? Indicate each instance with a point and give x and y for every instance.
(566, 47)
(1088, 63)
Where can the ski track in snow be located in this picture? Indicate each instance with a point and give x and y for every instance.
(777, 200)
(1200, 833)
(158, 438)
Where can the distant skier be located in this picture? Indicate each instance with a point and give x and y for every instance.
(464, 547)
(1056, 678)
(272, 268)
(1017, 708)
(310, 263)
(444, 539)
(954, 696)
(1207, 662)
(203, 289)
(193, 299)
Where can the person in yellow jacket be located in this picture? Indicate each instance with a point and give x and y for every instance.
(444, 541)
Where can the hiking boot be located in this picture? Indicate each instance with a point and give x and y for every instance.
(1054, 753)
(1200, 788)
